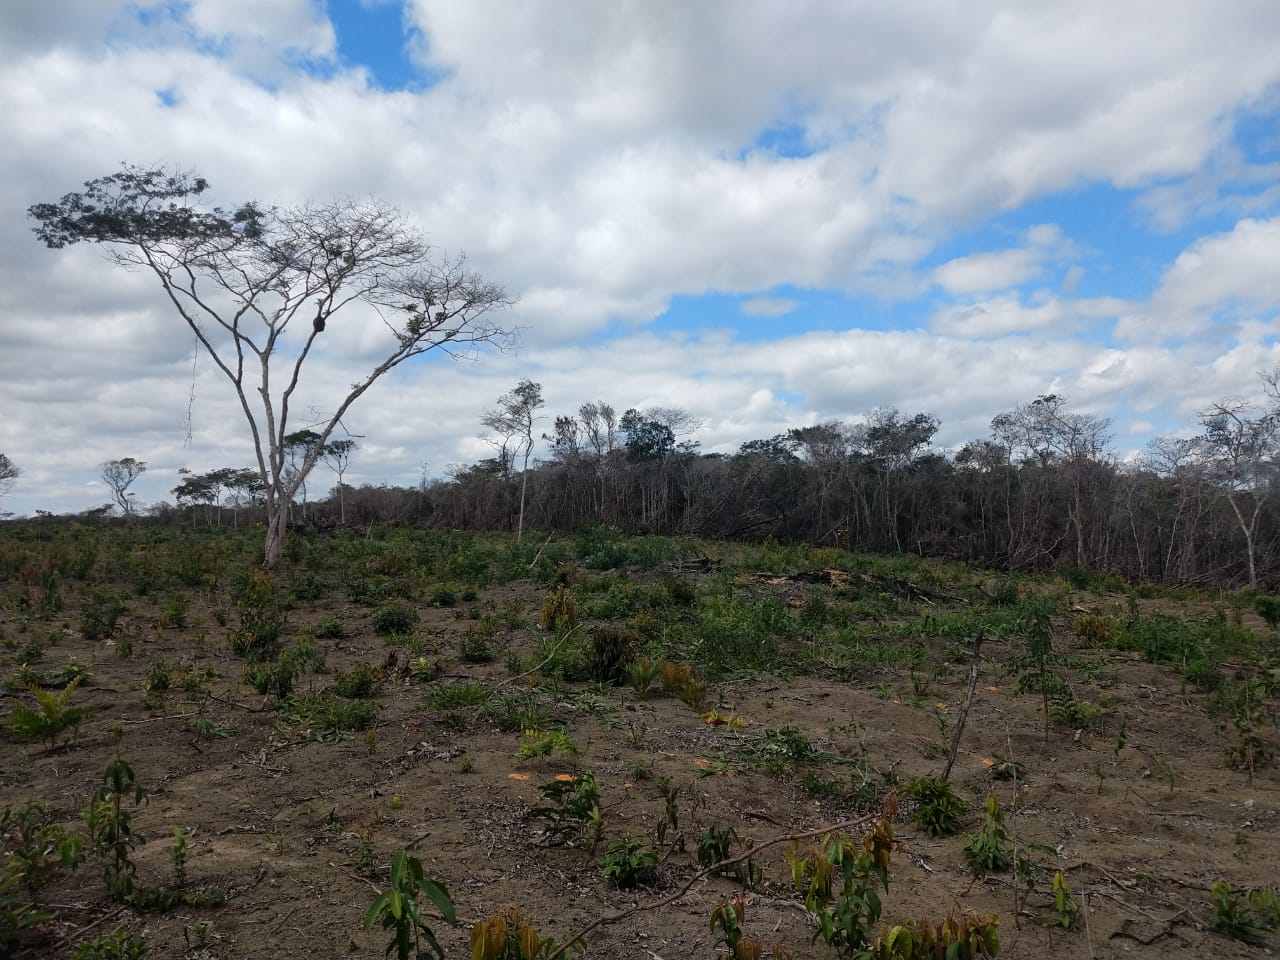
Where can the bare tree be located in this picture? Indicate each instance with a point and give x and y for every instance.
(1240, 451)
(1045, 432)
(513, 421)
(119, 475)
(242, 279)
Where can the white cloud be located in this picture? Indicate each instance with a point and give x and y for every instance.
(1239, 269)
(768, 306)
(599, 160)
(984, 272)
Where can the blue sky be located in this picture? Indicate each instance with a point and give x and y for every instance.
(939, 207)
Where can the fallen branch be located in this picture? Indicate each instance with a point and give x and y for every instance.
(233, 703)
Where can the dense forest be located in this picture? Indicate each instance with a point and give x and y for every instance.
(1043, 491)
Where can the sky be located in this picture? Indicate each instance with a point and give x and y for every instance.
(772, 214)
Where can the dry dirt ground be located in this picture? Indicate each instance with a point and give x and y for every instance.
(1141, 830)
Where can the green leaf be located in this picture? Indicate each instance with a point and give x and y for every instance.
(440, 897)
(376, 908)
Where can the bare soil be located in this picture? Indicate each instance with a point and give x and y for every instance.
(1142, 830)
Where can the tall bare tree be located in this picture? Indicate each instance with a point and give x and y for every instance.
(1240, 453)
(512, 421)
(242, 279)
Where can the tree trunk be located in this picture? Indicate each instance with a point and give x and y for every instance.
(277, 522)
(524, 484)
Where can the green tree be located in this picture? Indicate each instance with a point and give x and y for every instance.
(337, 455)
(119, 475)
(242, 279)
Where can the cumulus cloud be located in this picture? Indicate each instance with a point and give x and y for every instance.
(599, 160)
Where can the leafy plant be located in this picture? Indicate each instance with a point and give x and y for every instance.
(362, 680)
(714, 846)
(1066, 911)
(330, 628)
(570, 807)
(178, 856)
(990, 848)
(328, 719)
(938, 809)
(1266, 904)
(1008, 768)
(17, 915)
(452, 696)
(642, 675)
(609, 652)
(729, 917)
(628, 864)
(507, 935)
(537, 743)
(961, 936)
(838, 879)
(100, 614)
(393, 618)
(474, 646)
(159, 676)
(1234, 916)
(559, 610)
(53, 718)
(35, 847)
(1092, 630)
(517, 711)
(1037, 634)
(397, 909)
(174, 612)
(120, 944)
(261, 618)
(1073, 714)
(110, 826)
(1268, 608)
(1250, 751)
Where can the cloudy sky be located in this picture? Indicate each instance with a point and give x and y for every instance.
(770, 213)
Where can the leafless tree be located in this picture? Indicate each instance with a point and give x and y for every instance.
(1239, 450)
(512, 422)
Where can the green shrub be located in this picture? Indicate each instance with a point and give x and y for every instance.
(609, 653)
(100, 613)
(393, 618)
(989, 849)
(261, 619)
(360, 681)
(628, 864)
(330, 628)
(938, 810)
(52, 717)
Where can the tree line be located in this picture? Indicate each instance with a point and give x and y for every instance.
(1042, 491)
